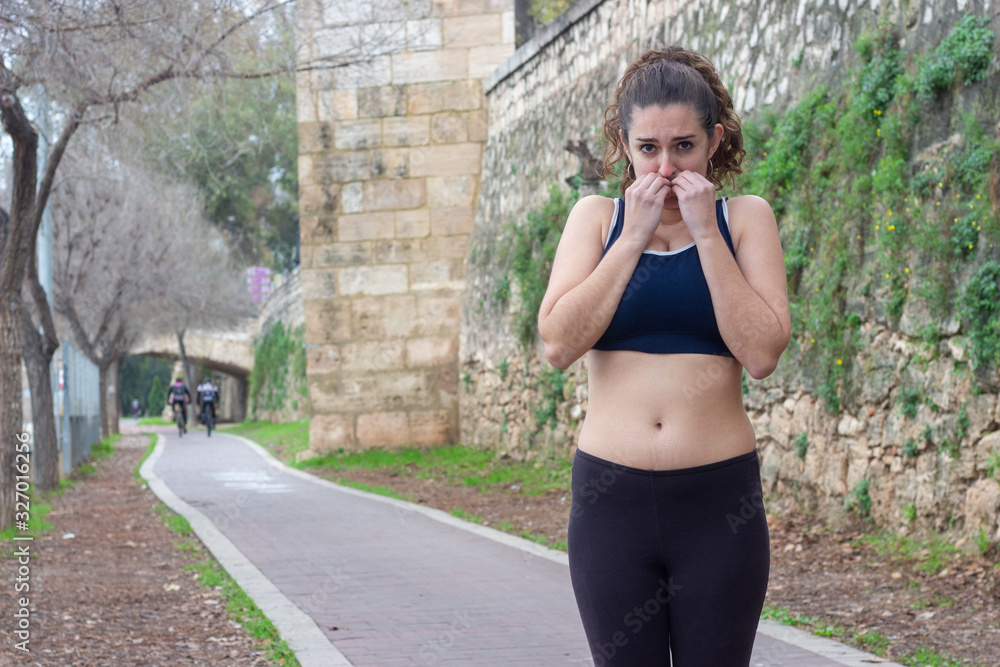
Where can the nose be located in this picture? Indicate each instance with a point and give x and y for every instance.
(667, 168)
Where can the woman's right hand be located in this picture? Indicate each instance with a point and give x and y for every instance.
(644, 207)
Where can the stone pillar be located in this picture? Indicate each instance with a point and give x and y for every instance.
(390, 152)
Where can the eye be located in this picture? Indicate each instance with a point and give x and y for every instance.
(685, 145)
(647, 148)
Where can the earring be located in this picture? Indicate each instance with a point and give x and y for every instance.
(628, 168)
(711, 168)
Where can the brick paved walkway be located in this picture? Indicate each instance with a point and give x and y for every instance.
(386, 582)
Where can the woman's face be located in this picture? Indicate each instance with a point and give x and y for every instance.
(669, 140)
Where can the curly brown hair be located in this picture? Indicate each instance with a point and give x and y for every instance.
(674, 75)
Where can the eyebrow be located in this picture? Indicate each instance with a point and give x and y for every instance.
(652, 140)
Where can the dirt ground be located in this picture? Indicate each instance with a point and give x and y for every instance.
(109, 586)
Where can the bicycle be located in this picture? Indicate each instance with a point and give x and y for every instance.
(179, 418)
(208, 417)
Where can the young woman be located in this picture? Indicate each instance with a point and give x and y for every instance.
(671, 294)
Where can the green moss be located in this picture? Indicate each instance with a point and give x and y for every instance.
(909, 401)
(528, 248)
(801, 444)
(550, 383)
(964, 55)
(859, 500)
(279, 359)
(980, 312)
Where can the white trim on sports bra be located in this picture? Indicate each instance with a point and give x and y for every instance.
(614, 222)
(611, 229)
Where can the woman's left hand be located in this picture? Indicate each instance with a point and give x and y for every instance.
(696, 200)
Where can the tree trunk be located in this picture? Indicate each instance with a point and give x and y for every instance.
(38, 364)
(13, 259)
(109, 395)
(113, 408)
(10, 403)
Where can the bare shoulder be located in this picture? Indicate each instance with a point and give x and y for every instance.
(751, 215)
(750, 208)
(594, 207)
(590, 214)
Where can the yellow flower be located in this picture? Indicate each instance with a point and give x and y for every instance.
(878, 131)
(840, 362)
(765, 153)
(977, 196)
(890, 211)
(810, 249)
(812, 340)
(891, 227)
(859, 237)
(907, 210)
(937, 203)
(979, 229)
(906, 199)
(887, 275)
(940, 185)
(907, 270)
(970, 246)
(955, 220)
(876, 226)
(971, 206)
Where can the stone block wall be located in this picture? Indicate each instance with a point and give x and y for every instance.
(390, 147)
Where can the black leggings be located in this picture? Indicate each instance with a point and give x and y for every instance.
(669, 562)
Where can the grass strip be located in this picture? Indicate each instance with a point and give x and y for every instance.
(286, 441)
(154, 421)
(153, 438)
(239, 606)
(866, 641)
(373, 488)
(928, 556)
(41, 502)
(459, 465)
(243, 610)
(512, 529)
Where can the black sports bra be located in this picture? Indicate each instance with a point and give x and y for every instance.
(666, 307)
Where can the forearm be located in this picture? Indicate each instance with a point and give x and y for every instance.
(754, 332)
(570, 326)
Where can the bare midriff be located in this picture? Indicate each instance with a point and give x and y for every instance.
(664, 411)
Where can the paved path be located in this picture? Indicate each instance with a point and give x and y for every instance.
(353, 578)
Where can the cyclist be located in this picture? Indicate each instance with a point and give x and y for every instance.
(208, 396)
(180, 396)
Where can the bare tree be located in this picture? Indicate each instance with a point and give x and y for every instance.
(132, 253)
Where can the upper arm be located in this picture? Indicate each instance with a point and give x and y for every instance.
(581, 247)
(759, 254)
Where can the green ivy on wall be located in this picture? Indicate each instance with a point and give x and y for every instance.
(853, 204)
(279, 358)
(528, 251)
